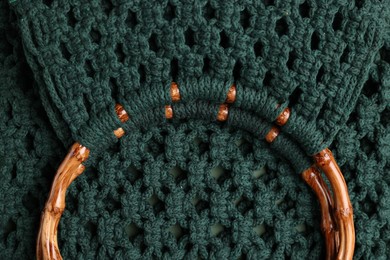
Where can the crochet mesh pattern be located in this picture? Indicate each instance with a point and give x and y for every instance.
(89, 55)
(191, 188)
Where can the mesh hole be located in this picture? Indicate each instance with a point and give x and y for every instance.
(134, 174)
(153, 200)
(224, 40)
(174, 69)
(72, 202)
(119, 53)
(209, 12)
(87, 104)
(178, 231)
(30, 202)
(245, 19)
(385, 54)
(107, 7)
(157, 204)
(237, 70)
(337, 21)
(315, 41)
(9, 228)
(320, 74)
(47, 2)
(244, 205)
(353, 117)
(131, 19)
(91, 228)
(345, 55)
(178, 174)
(370, 87)
(258, 48)
(189, 37)
(323, 112)
(71, 18)
(133, 231)
(269, 2)
(13, 172)
(259, 229)
(89, 69)
(286, 204)
(258, 173)
(217, 172)
(142, 73)
(29, 141)
(304, 10)
(201, 144)
(359, 3)
(170, 12)
(65, 53)
(153, 46)
(217, 229)
(295, 96)
(245, 146)
(201, 205)
(113, 87)
(206, 65)
(369, 207)
(291, 60)
(367, 145)
(267, 78)
(301, 228)
(281, 27)
(95, 36)
(243, 256)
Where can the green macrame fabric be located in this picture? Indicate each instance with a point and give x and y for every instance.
(191, 187)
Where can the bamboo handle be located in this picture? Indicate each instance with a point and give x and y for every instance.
(343, 211)
(313, 178)
(70, 169)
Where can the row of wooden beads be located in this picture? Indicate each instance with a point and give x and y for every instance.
(221, 116)
(223, 109)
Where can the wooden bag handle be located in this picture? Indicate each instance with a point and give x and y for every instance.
(336, 212)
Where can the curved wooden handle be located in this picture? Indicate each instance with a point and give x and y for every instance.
(70, 169)
(343, 212)
(313, 178)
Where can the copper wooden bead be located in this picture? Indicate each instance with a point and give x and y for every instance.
(121, 113)
(168, 112)
(272, 134)
(123, 117)
(175, 92)
(119, 132)
(283, 117)
(223, 112)
(280, 121)
(231, 96)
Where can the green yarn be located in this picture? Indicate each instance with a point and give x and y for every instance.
(192, 187)
(272, 49)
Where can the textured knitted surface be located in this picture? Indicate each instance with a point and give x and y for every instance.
(193, 188)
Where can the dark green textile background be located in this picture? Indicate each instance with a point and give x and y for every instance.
(155, 192)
